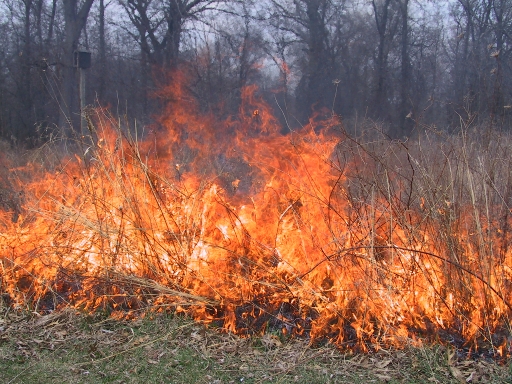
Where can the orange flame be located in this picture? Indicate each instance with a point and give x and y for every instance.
(239, 225)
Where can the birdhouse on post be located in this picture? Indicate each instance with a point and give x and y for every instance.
(82, 59)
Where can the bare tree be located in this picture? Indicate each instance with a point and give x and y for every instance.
(386, 23)
(75, 18)
(311, 23)
(378, 58)
(25, 91)
(473, 21)
(405, 71)
(159, 25)
(226, 61)
(502, 30)
(23, 63)
(102, 49)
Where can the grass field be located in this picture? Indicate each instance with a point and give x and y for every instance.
(67, 347)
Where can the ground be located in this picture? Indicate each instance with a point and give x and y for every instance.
(70, 347)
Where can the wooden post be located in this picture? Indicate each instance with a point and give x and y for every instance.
(83, 122)
(82, 62)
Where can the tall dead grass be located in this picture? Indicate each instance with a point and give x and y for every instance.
(118, 228)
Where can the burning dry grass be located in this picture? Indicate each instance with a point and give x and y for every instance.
(364, 241)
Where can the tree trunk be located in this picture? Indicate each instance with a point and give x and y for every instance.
(313, 87)
(102, 62)
(39, 28)
(174, 30)
(381, 19)
(74, 23)
(497, 101)
(25, 91)
(52, 22)
(405, 104)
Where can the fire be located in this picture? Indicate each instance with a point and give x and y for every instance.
(245, 227)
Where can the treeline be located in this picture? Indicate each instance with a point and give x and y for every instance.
(403, 63)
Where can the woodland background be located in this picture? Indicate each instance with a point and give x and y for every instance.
(405, 64)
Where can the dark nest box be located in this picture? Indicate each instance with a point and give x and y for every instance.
(82, 59)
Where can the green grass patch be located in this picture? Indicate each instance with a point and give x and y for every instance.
(68, 347)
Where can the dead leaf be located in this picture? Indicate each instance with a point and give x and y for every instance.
(471, 377)
(466, 363)
(140, 340)
(383, 364)
(383, 377)
(450, 354)
(270, 341)
(44, 320)
(363, 362)
(61, 334)
(457, 374)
